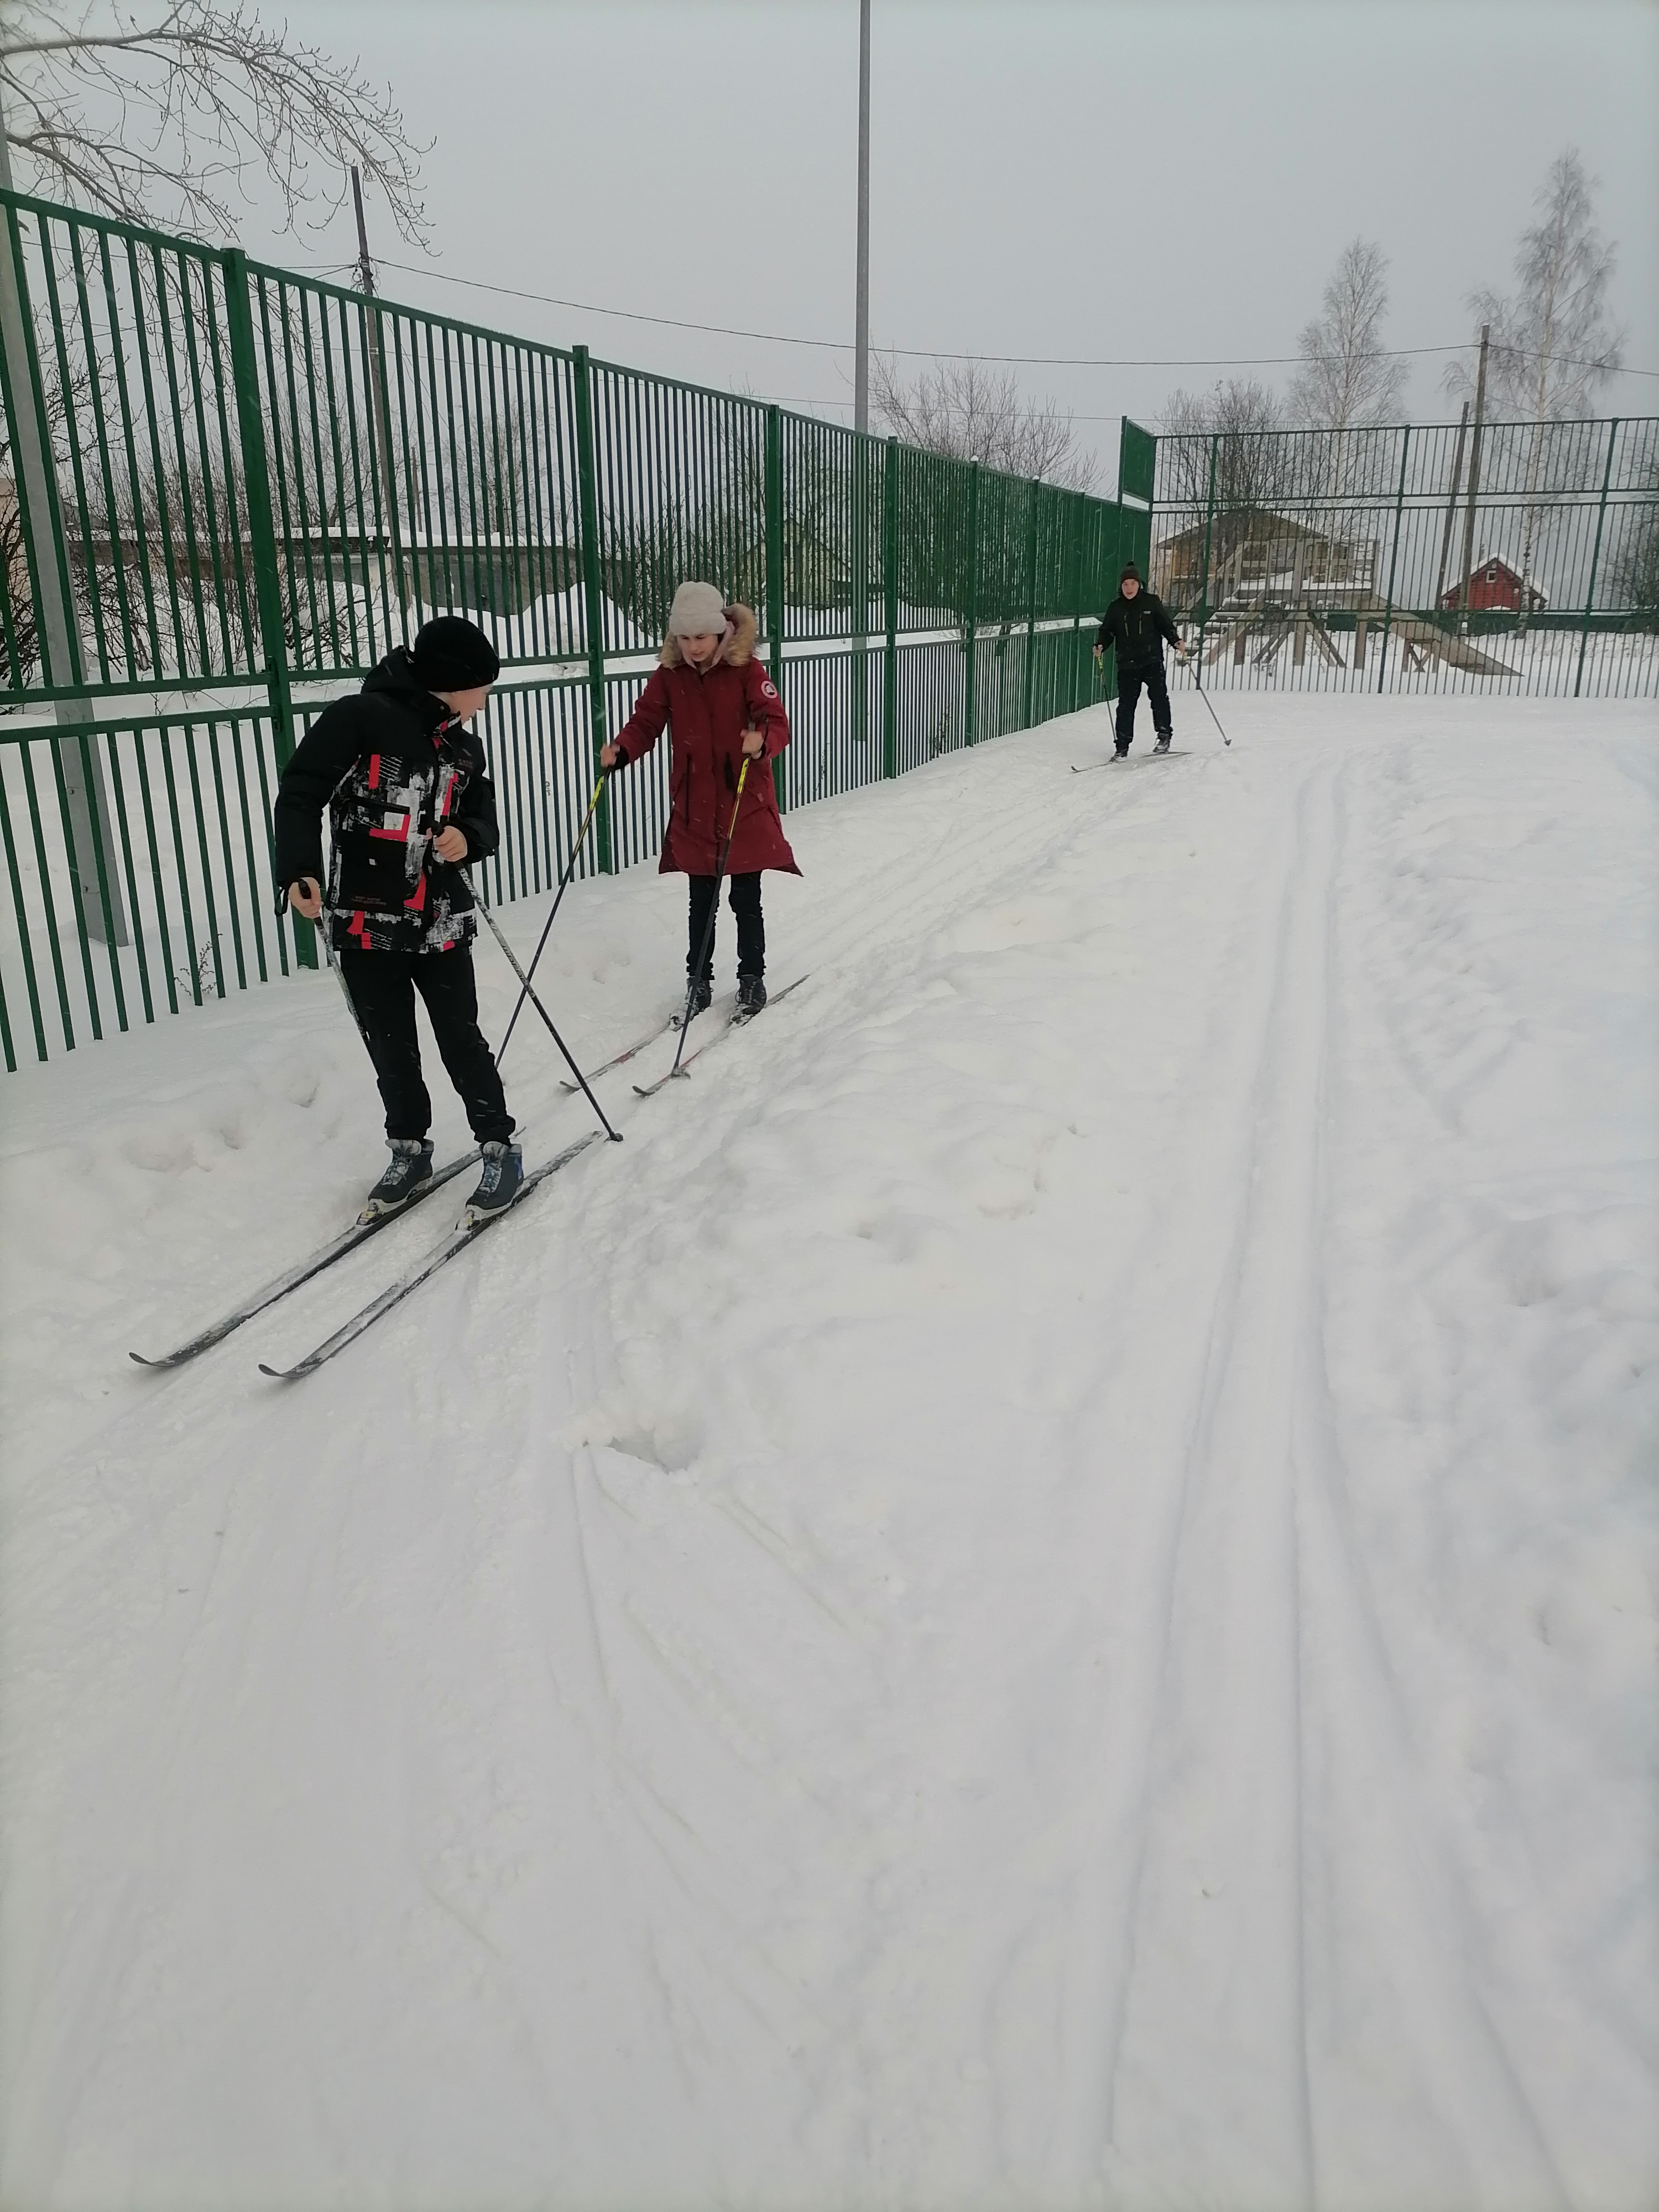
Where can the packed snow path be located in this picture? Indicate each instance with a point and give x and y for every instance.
(1041, 1592)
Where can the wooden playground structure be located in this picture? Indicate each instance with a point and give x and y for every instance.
(1279, 582)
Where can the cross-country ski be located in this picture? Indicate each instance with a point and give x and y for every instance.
(737, 1021)
(628, 1052)
(306, 1270)
(466, 1233)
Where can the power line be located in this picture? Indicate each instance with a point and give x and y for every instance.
(837, 345)
(998, 360)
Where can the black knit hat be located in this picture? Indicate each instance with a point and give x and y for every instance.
(1129, 569)
(451, 654)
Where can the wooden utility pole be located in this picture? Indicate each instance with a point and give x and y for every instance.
(1451, 507)
(61, 658)
(379, 429)
(365, 266)
(1475, 476)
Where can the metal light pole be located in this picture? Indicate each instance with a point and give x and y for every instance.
(861, 517)
(861, 329)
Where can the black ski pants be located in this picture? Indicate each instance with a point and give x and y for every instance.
(381, 986)
(752, 926)
(1129, 681)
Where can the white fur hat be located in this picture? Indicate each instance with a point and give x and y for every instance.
(698, 611)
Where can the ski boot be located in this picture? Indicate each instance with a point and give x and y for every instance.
(1162, 744)
(701, 1000)
(498, 1186)
(1123, 750)
(751, 997)
(408, 1174)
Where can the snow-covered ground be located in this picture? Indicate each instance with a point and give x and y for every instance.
(1042, 1592)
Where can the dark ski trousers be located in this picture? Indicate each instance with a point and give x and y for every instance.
(381, 986)
(751, 928)
(1129, 681)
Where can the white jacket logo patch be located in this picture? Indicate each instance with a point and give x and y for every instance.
(768, 689)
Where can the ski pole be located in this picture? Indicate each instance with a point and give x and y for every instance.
(614, 1135)
(332, 964)
(547, 925)
(696, 976)
(1214, 717)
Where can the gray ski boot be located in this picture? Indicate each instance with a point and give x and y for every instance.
(407, 1175)
(498, 1186)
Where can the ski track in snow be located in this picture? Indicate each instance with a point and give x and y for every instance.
(1040, 1591)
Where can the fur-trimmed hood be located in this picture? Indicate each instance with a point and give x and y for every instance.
(737, 647)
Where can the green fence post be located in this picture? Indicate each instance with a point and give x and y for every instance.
(1032, 492)
(775, 569)
(251, 429)
(1394, 558)
(1595, 559)
(1074, 587)
(593, 590)
(970, 611)
(889, 492)
(1204, 579)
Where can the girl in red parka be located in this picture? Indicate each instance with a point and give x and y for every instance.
(721, 707)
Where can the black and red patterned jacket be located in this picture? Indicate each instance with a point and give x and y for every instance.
(393, 769)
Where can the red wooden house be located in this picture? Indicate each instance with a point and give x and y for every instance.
(1493, 583)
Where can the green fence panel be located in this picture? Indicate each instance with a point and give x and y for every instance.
(1137, 463)
(248, 487)
(1334, 560)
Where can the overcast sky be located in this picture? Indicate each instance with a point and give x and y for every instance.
(1118, 179)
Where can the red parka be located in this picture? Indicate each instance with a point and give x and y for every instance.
(706, 716)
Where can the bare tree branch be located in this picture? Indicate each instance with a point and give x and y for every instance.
(963, 410)
(1245, 417)
(163, 119)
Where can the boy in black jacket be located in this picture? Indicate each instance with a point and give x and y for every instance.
(410, 806)
(1137, 623)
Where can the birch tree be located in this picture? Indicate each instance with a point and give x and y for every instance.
(1347, 382)
(1552, 346)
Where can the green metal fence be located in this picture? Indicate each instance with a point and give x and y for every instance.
(1510, 557)
(226, 491)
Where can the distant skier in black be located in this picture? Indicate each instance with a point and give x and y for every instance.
(1137, 623)
(410, 807)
